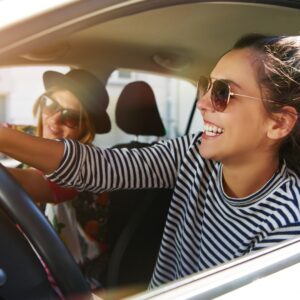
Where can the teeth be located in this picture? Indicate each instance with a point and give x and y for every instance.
(212, 130)
(210, 133)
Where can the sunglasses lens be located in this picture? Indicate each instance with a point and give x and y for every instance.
(70, 118)
(220, 95)
(49, 106)
(203, 86)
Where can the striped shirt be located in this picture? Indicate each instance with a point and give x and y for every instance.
(204, 226)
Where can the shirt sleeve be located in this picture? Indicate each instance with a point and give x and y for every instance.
(93, 169)
(90, 168)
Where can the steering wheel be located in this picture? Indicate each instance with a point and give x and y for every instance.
(17, 208)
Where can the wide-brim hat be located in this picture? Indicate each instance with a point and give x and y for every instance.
(89, 90)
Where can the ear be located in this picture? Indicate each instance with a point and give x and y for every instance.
(282, 123)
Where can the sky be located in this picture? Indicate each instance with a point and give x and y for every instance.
(14, 10)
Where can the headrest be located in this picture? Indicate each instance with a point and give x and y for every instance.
(136, 110)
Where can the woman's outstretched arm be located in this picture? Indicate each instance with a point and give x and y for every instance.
(34, 184)
(42, 154)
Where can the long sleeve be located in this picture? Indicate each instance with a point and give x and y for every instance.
(94, 169)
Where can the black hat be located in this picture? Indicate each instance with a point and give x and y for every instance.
(88, 89)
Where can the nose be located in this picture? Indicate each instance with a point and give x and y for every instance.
(204, 103)
(55, 118)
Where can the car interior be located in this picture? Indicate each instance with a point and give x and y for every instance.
(171, 38)
(136, 218)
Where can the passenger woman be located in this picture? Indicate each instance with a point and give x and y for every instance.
(73, 106)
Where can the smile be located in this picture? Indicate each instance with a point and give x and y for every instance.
(212, 130)
(53, 130)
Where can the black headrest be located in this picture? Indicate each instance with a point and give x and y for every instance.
(136, 110)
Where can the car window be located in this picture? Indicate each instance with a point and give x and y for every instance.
(26, 9)
(19, 89)
(110, 34)
(269, 287)
(175, 98)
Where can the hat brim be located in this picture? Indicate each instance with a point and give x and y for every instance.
(100, 120)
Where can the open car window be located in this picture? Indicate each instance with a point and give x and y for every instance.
(19, 89)
(21, 86)
(174, 98)
(26, 9)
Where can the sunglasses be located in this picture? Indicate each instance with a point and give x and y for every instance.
(220, 92)
(68, 117)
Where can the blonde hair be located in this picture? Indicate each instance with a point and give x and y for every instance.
(87, 127)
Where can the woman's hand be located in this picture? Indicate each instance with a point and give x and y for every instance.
(42, 154)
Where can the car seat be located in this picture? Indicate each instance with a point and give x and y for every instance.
(137, 113)
(136, 217)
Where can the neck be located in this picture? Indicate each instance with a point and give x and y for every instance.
(245, 179)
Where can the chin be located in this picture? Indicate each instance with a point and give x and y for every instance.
(49, 135)
(204, 152)
(207, 153)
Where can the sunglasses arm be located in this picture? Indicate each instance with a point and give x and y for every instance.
(240, 95)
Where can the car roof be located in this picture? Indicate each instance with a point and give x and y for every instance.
(183, 38)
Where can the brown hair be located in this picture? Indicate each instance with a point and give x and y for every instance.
(278, 71)
(88, 129)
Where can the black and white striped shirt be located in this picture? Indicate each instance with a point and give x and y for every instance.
(204, 226)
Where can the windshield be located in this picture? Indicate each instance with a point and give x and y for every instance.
(26, 9)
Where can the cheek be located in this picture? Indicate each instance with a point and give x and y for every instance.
(44, 123)
(74, 134)
(44, 119)
(70, 133)
(248, 129)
